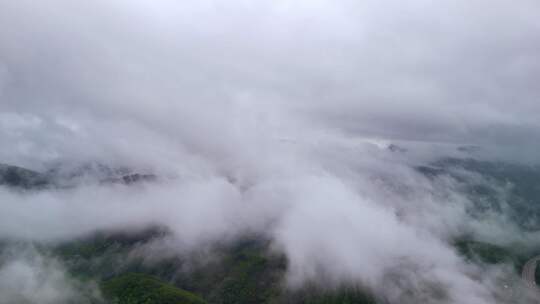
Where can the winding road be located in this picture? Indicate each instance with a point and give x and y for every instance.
(529, 271)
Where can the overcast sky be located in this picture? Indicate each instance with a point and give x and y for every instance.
(451, 71)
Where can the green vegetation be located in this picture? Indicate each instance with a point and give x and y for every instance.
(484, 252)
(492, 254)
(316, 295)
(343, 298)
(243, 272)
(104, 255)
(246, 275)
(144, 289)
(512, 189)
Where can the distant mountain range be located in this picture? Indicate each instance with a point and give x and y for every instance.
(18, 177)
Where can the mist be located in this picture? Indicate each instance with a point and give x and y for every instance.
(275, 117)
(26, 276)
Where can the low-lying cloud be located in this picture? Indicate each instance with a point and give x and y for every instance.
(274, 117)
(26, 276)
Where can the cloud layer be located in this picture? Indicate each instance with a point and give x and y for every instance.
(273, 116)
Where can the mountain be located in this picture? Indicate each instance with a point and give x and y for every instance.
(14, 176)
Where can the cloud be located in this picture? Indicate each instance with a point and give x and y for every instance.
(28, 277)
(458, 72)
(263, 116)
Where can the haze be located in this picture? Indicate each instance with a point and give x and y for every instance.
(273, 117)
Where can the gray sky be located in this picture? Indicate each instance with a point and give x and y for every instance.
(451, 71)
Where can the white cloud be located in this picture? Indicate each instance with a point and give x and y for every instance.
(258, 110)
